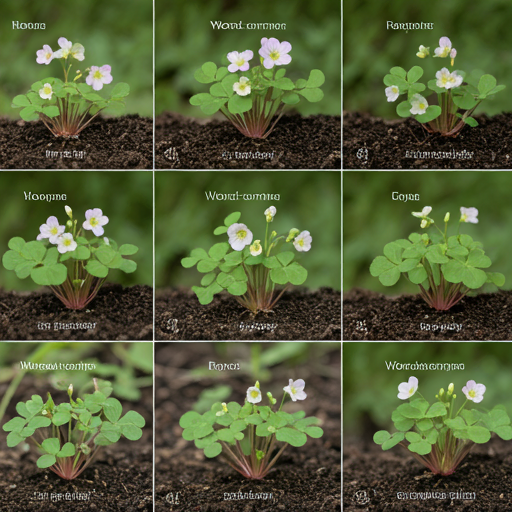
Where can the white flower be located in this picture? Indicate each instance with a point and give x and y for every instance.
(243, 87)
(448, 80)
(445, 46)
(392, 92)
(239, 236)
(77, 51)
(239, 61)
(421, 215)
(274, 53)
(253, 395)
(65, 243)
(419, 104)
(468, 215)
(270, 213)
(424, 51)
(256, 248)
(46, 92)
(303, 241)
(473, 391)
(296, 389)
(99, 77)
(94, 221)
(407, 389)
(51, 230)
(45, 56)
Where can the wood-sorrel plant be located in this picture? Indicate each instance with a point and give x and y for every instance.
(247, 435)
(440, 435)
(445, 268)
(67, 107)
(77, 267)
(456, 98)
(249, 272)
(251, 99)
(69, 435)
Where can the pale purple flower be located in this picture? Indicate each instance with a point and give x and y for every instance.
(239, 61)
(51, 230)
(274, 53)
(473, 391)
(95, 220)
(407, 389)
(445, 46)
(296, 389)
(45, 56)
(99, 77)
(239, 236)
(67, 48)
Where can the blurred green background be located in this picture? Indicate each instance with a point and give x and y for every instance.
(184, 40)
(185, 219)
(370, 390)
(480, 32)
(371, 219)
(126, 198)
(117, 32)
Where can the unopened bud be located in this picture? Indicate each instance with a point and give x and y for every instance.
(451, 388)
(224, 407)
(69, 211)
(447, 217)
(70, 390)
(257, 384)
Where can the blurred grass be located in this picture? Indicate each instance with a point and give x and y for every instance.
(184, 219)
(372, 219)
(117, 32)
(126, 198)
(480, 32)
(370, 390)
(184, 40)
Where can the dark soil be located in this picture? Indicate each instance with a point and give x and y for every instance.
(304, 479)
(119, 314)
(373, 480)
(296, 143)
(120, 478)
(298, 315)
(116, 143)
(375, 143)
(373, 316)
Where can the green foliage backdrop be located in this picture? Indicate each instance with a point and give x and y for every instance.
(370, 390)
(480, 31)
(371, 218)
(184, 40)
(116, 32)
(184, 219)
(126, 198)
